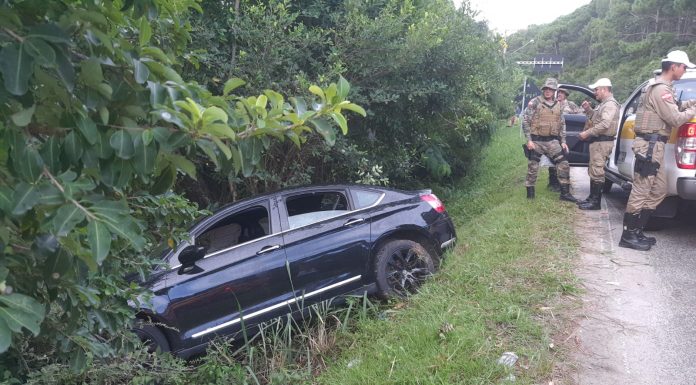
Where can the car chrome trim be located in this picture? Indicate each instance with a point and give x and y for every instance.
(267, 249)
(447, 244)
(377, 202)
(270, 308)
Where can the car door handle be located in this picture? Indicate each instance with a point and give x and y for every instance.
(354, 221)
(267, 249)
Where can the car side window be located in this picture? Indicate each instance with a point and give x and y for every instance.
(364, 198)
(235, 229)
(304, 209)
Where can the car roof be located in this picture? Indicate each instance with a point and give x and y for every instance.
(689, 74)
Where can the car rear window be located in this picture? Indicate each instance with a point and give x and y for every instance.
(308, 208)
(364, 198)
(685, 89)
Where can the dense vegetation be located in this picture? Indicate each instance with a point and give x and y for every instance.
(113, 112)
(620, 39)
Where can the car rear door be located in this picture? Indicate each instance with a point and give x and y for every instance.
(579, 151)
(327, 243)
(243, 278)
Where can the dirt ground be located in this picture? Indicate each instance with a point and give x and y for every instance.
(633, 323)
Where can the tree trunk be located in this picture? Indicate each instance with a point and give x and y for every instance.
(233, 59)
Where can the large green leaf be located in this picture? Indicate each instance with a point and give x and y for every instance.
(50, 195)
(325, 130)
(140, 71)
(5, 336)
(99, 238)
(104, 150)
(50, 32)
(67, 217)
(183, 164)
(164, 181)
(50, 153)
(88, 129)
(232, 84)
(73, 147)
(16, 66)
(29, 164)
(25, 197)
(64, 69)
(122, 143)
(41, 51)
(6, 199)
(23, 118)
(144, 159)
(343, 88)
(21, 311)
(117, 172)
(91, 72)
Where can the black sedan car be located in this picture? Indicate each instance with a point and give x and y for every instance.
(279, 253)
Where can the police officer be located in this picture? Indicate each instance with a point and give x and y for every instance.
(545, 131)
(567, 107)
(603, 123)
(656, 115)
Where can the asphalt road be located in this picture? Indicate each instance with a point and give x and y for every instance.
(638, 321)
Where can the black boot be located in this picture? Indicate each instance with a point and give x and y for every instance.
(594, 201)
(565, 194)
(644, 218)
(554, 185)
(629, 237)
(530, 192)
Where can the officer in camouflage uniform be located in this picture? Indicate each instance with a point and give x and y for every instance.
(657, 114)
(567, 107)
(545, 131)
(603, 124)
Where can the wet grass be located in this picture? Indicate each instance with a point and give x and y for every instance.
(497, 290)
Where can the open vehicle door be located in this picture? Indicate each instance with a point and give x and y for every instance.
(579, 151)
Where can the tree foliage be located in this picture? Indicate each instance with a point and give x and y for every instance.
(619, 39)
(96, 123)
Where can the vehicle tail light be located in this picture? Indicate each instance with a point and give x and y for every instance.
(686, 146)
(434, 202)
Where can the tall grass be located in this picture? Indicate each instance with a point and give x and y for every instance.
(511, 261)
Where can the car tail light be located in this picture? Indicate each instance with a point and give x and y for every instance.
(686, 146)
(434, 202)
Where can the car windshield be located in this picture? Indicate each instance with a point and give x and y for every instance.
(685, 89)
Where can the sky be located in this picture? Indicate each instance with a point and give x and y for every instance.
(509, 16)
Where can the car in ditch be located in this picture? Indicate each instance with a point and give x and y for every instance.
(279, 253)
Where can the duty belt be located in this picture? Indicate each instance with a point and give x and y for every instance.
(539, 138)
(653, 137)
(604, 138)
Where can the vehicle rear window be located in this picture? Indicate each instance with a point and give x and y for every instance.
(364, 198)
(308, 208)
(685, 89)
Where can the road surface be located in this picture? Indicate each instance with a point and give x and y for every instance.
(638, 321)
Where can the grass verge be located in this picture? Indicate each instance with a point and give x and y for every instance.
(497, 290)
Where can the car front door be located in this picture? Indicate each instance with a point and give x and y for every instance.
(242, 279)
(622, 154)
(578, 150)
(326, 243)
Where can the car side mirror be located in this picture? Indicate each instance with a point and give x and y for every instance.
(189, 256)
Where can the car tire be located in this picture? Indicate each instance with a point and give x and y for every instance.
(401, 267)
(152, 337)
(607, 186)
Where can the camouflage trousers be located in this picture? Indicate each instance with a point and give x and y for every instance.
(552, 149)
(599, 154)
(650, 191)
